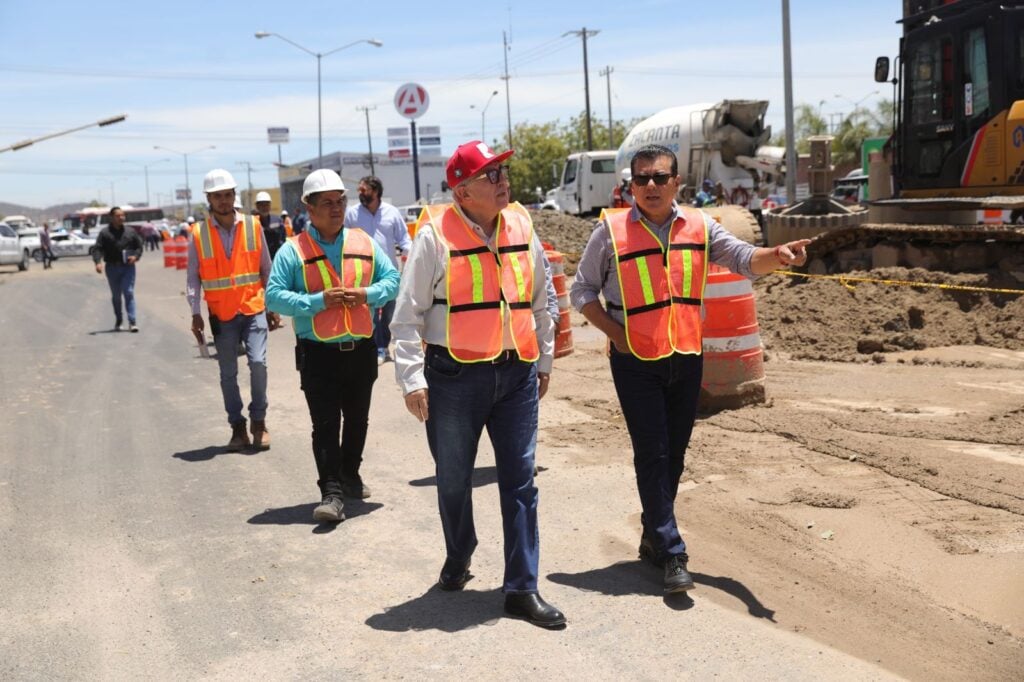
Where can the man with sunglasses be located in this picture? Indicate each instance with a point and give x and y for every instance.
(474, 344)
(649, 263)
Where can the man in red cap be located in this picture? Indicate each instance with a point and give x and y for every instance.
(474, 344)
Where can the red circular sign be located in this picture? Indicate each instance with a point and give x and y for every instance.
(411, 100)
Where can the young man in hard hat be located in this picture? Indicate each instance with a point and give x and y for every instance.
(474, 344)
(331, 280)
(385, 224)
(228, 259)
(650, 264)
(273, 234)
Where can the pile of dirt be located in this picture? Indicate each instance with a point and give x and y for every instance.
(567, 234)
(827, 319)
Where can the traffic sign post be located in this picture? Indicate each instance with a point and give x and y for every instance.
(412, 101)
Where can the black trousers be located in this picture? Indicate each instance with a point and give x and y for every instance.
(338, 385)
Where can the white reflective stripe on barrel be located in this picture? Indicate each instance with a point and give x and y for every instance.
(727, 289)
(729, 344)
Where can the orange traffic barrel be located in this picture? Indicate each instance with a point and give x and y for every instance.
(563, 328)
(170, 253)
(733, 358)
(181, 260)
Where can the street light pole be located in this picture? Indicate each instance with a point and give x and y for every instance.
(483, 114)
(319, 100)
(787, 74)
(583, 33)
(607, 73)
(369, 140)
(28, 143)
(188, 191)
(248, 167)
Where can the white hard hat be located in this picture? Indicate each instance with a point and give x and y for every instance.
(238, 201)
(627, 174)
(262, 196)
(191, 220)
(283, 212)
(323, 180)
(218, 179)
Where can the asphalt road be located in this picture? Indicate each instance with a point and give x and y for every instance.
(132, 547)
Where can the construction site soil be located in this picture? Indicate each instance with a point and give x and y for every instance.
(875, 500)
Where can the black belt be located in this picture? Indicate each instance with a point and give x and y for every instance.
(507, 355)
(342, 346)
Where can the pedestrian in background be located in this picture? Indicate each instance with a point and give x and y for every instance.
(273, 234)
(332, 279)
(385, 224)
(474, 345)
(46, 246)
(655, 256)
(117, 249)
(228, 259)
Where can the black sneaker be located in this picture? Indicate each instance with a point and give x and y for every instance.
(356, 490)
(330, 510)
(117, 326)
(677, 578)
(648, 553)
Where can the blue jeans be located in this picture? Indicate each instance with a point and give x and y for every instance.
(121, 278)
(382, 330)
(659, 403)
(253, 330)
(465, 398)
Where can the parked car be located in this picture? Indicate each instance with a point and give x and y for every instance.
(74, 243)
(11, 250)
(551, 201)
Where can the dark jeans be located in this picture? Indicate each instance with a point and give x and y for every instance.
(659, 403)
(121, 278)
(382, 330)
(337, 384)
(465, 398)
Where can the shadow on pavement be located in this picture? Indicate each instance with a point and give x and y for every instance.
(302, 514)
(106, 331)
(440, 610)
(481, 477)
(202, 454)
(636, 577)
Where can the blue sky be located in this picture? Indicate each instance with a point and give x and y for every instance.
(191, 74)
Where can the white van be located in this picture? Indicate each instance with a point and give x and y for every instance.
(588, 179)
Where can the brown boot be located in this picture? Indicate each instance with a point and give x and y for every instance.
(260, 435)
(239, 438)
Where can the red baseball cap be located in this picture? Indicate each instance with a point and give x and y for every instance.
(469, 159)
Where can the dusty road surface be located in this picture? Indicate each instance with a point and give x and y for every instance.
(865, 523)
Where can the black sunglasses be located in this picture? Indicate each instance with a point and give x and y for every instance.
(494, 174)
(659, 179)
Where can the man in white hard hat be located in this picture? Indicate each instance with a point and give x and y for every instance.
(332, 280)
(385, 224)
(229, 260)
(474, 344)
(272, 233)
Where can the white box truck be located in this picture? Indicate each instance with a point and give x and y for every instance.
(587, 181)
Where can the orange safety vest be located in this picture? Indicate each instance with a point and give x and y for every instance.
(230, 286)
(662, 293)
(481, 284)
(288, 231)
(319, 275)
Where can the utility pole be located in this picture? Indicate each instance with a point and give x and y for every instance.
(607, 73)
(508, 101)
(787, 71)
(584, 33)
(248, 167)
(369, 141)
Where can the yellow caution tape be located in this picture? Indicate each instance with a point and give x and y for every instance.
(846, 279)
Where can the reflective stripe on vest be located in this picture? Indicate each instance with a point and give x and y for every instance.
(481, 285)
(318, 274)
(230, 286)
(662, 289)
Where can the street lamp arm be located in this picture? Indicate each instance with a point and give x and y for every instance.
(371, 41)
(28, 143)
(265, 34)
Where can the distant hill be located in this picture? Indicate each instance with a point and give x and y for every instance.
(38, 215)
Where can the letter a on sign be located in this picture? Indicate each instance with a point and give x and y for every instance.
(411, 100)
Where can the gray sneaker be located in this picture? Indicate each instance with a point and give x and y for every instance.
(330, 510)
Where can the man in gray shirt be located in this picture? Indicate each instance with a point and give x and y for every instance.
(650, 264)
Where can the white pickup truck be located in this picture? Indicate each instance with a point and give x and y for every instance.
(12, 252)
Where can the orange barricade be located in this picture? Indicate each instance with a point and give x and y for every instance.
(733, 359)
(170, 253)
(563, 330)
(181, 260)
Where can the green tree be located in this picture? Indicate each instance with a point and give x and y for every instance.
(850, 134)
(539, 148)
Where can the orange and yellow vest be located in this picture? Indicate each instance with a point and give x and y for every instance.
(481, 285)
(230, 286)
(662, 289)
(357, 264)
(288, 230)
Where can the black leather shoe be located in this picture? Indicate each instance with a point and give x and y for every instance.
(677, 578)
(531, 608)
(454, 575)
(648, 553)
